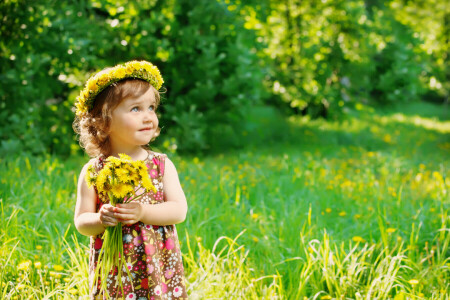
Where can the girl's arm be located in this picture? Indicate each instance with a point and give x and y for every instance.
(172, 211)
(87, 220)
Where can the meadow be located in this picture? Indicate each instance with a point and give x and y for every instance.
(351, 209)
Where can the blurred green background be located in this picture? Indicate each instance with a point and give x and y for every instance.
(231, 68)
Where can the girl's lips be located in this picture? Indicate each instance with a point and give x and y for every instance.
(145, 129)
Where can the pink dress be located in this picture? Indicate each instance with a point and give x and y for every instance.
(152, 253)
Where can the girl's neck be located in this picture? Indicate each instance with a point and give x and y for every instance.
(137, 153)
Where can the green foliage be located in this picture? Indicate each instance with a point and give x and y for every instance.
(219, 60)
(207, 58)
(331, 55)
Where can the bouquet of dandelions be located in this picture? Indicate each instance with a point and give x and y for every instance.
(117, 181)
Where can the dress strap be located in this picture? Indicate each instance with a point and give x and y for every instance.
(159, 161)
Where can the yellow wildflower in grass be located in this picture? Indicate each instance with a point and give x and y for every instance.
(413, 282)
(327, 297)
(255, 239)
(38, 265)
(391, 230)
(66, 279)
(39, 247)
(24, 265)
(328, 210)
(254, 216)
(358, 216)
(387, 138)
(342, 214)
(358, 239)
(58, 268)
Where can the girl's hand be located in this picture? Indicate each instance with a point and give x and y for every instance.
(107, 217)
(129, 213)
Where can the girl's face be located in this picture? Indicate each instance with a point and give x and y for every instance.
(134, 121)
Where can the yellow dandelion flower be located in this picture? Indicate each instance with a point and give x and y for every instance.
(24, 265)
(100, 181)
(327, 297)
(120, 73)
(91, 84)
(39, 247)
(328, 210)
(358, 239)
(120, 190)
(254, 216)
(38, 265)
(342, 213)
(391, 230)
(123, 156)
(413, 282)
(255, 239)
(58, 268)
(103, 79)
(130, 67)
(123, 174)
(358, 216)
(66, 279)
(147, 184)
(52, 274)
(114, 161)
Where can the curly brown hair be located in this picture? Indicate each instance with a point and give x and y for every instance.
(93, 130)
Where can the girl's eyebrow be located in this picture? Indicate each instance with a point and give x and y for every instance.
(134, 101)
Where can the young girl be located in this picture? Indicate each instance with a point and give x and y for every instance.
(116, 113)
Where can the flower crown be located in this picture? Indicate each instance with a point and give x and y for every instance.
(133, 69)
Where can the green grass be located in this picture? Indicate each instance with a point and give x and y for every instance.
(356, 209)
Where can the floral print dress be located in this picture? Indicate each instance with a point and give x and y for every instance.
(152, 253)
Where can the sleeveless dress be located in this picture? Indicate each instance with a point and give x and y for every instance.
(152, 253)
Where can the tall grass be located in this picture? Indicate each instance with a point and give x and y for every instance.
(356, 209)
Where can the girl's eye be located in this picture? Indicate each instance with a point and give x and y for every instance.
(151, 108)
(135, 109)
